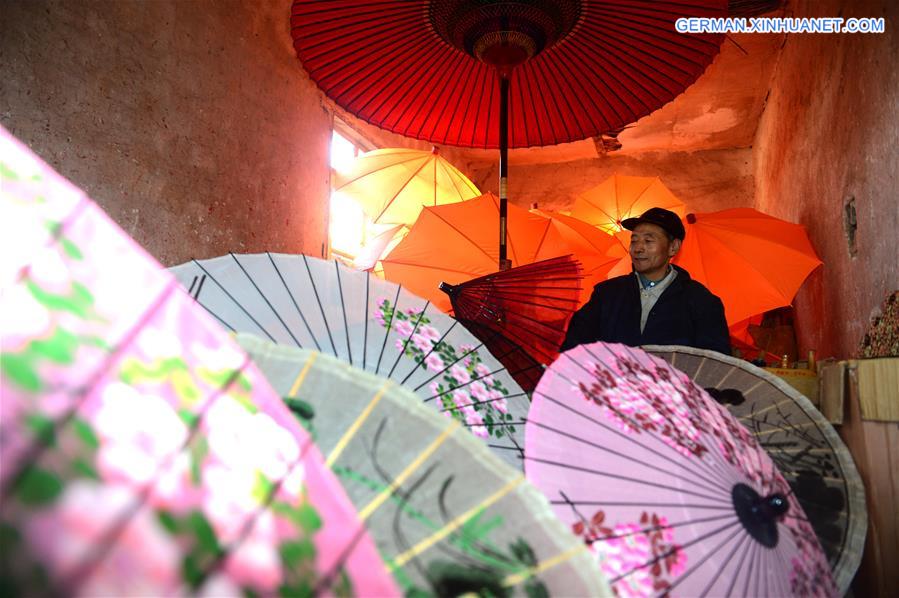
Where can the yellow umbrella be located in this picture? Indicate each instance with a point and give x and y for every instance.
(620, 197)
(392, 185)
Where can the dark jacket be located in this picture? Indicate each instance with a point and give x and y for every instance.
(686, 313)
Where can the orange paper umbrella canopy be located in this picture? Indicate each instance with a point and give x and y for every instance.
(393, 184)
(597, 251)
(620, 197)
(457, 242)
(752, 261)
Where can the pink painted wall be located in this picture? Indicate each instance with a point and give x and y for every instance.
(830, 131)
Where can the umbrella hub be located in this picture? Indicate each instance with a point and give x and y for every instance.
(504, 34)
(759, 514)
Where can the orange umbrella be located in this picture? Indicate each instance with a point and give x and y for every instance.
(455, 243)
(597, 251)
(752, 261)
(393, 184)
(619, 197)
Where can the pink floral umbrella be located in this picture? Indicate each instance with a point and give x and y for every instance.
(672, 494)
(142, 452)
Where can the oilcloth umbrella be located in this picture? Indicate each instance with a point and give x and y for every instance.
(454, 243)
(142, 452)
(434, 70)
(368, 322)
(393, 184)
(619, 197)
(529, 305)
(672, 494)
(448, 517)
(501, 74)
(800, 441)
(752, 261)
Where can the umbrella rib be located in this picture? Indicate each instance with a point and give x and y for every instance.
(321, 307)
(552, 75)
(623, 436)
(265, 298)
(659, 527)
(365, 319)
(413, 156)
(293, 300)
(637, 198)
(235, 301)
(493, 88)
(401, 189)
(709, 485)
(398, 63)
(523, 99)
(756, 557)
(709, 554)
(346, 327)
(387, 328)
(247, 528)
(712, 471)
(418, 320)
(717, 459)
(470, 66)
(384, 52)
(426, 75)
(424, 72)
(111, 534)
(616, 476)
(573, 79)
(40, 442)
(593, 64)
(426, 355)
(452, 67)
(463, 235)
(642, 504)
(672, 551)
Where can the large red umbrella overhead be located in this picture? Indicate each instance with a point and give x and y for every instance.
(428, 69)
(499, 74)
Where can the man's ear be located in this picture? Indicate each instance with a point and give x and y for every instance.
(674, 247)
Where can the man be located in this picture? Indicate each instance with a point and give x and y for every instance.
(658, 304)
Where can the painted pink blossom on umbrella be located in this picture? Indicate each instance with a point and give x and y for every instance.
(422, 343)
(404, 328)
(624, 550)
(461, 374)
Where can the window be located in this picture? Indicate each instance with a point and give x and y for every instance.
(349, 228)
(346, 229)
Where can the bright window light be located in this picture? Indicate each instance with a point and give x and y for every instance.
(342, 152)
(347, 227)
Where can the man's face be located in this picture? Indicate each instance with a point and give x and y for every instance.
(650, 250)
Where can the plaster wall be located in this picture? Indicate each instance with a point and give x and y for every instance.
(191, 123)
(704, 180)
(830, 133)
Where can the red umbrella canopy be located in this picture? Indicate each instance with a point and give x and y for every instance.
(428, 69)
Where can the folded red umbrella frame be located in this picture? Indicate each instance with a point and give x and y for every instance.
(527, 307)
